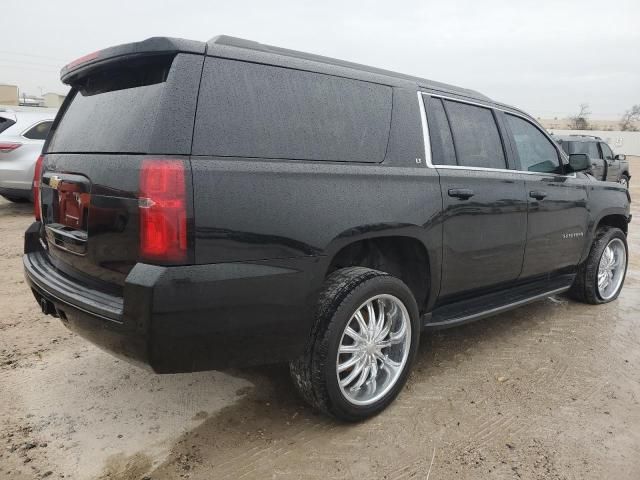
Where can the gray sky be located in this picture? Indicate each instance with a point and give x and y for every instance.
(546, 57)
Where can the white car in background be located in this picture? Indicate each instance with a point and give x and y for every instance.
(22, 135)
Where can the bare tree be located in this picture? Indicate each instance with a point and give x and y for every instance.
(580, 121)
(630, 116)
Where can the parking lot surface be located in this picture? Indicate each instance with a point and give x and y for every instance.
(551, 390)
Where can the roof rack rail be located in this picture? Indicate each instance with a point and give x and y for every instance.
(585, 136)
(226, 41)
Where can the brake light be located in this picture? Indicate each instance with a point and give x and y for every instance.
(37, 173)
(83, 59)
(6, 147)
(163, 210)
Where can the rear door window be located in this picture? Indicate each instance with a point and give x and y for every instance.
(475, 136)
(263, 111)
(536, 152)
(442, 149)
(39, 131)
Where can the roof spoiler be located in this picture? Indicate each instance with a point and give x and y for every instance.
(150, 46)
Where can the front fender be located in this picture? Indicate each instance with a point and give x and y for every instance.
(605, 199)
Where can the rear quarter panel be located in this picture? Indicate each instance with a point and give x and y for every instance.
(258, 209)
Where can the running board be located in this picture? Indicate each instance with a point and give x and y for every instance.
(465, 311)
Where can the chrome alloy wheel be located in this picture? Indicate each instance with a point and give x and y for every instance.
(373, 349)
(611, 269)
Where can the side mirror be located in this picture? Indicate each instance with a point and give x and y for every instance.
(579, 162)
(620, 157)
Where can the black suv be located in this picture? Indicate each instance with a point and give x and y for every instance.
(604, 164)
(207, 205)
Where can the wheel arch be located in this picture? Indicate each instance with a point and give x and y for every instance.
(401, 254)
(616, 219)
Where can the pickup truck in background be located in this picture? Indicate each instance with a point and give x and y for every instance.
(605, 165)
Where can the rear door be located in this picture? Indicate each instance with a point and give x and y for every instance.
(613, 165)
(485, 208)
(557, 203)
(114, 119)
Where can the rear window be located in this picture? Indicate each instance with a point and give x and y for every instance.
(5, 123)
(590, 148)
(252, 110)
(113, 110)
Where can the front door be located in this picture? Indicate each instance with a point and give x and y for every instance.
(557, 203)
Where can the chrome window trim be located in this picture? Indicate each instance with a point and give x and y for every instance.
(427, 139)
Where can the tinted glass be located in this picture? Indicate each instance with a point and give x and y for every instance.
(606, 151)
(252, 110)
(442, 149)
(5, 123)
(535, 151)
(113, 110)
(39, 131)
(475, 136)
(576, 147)
(590, 148)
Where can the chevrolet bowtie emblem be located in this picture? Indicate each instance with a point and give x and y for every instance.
(54, 181)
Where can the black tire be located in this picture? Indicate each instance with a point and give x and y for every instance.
(585, 286)
(314, 373)
(16, 199)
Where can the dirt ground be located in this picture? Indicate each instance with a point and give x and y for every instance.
(551, 390)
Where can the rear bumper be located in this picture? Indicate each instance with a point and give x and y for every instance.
(187, 318)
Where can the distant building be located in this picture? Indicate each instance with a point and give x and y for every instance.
(30, 101)
(53, 100)
(8, 95)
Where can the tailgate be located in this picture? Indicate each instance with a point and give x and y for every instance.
(90, 219)
(119, 116)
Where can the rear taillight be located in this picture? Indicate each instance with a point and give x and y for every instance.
(37, 173)
(6, 147)
(163, 211)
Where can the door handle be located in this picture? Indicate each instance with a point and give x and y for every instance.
(461, 193)
(537, 194)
